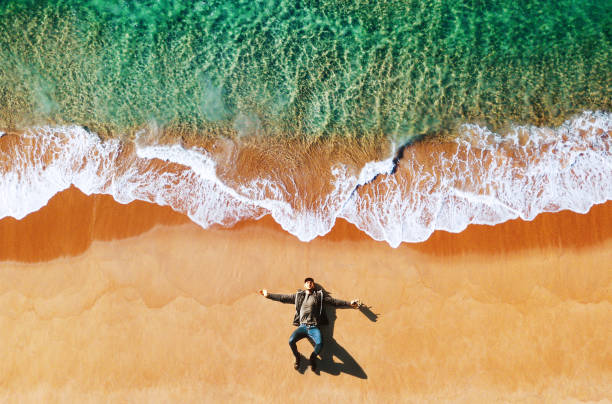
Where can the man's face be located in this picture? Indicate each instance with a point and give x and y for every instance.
(309, 285)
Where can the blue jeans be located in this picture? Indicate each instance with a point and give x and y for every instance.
(303, 331)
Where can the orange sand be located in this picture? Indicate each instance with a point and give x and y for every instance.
(101, 301)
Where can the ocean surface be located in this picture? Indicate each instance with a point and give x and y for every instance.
(402, 117)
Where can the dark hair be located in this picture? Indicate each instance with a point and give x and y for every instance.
(309, 279)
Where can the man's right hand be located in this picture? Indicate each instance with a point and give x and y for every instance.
(263, 292)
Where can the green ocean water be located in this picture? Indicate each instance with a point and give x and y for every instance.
(303, 68)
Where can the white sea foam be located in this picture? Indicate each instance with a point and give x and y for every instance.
(372, 169)
(490, 179)
(49, 162)
(66, 156)
(267, 195)
(487, 179)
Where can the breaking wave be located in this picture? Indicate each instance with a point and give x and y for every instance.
(478, 177)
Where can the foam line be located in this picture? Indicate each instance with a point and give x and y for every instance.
(479, 177)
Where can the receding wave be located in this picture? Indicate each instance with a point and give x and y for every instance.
(402, 195)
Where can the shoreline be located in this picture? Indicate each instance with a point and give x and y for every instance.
(481, 177)
(71, 221)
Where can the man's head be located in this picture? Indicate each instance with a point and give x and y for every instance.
(309, 284)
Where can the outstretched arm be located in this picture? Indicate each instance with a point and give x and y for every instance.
(355, 303)
(278, 297)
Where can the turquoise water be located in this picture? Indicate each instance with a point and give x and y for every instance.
(303, 68)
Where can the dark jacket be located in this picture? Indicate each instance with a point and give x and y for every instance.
(320, 298)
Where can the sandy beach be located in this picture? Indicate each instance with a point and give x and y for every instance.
(101, 301)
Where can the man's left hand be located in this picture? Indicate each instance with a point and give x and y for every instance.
(355, 303)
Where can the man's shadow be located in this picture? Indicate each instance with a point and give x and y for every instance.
(332, 349)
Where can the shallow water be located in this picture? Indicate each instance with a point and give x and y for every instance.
(396, 69)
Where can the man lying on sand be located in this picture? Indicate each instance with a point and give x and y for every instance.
(309, 314)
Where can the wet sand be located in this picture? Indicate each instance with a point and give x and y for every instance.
(101, 301)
